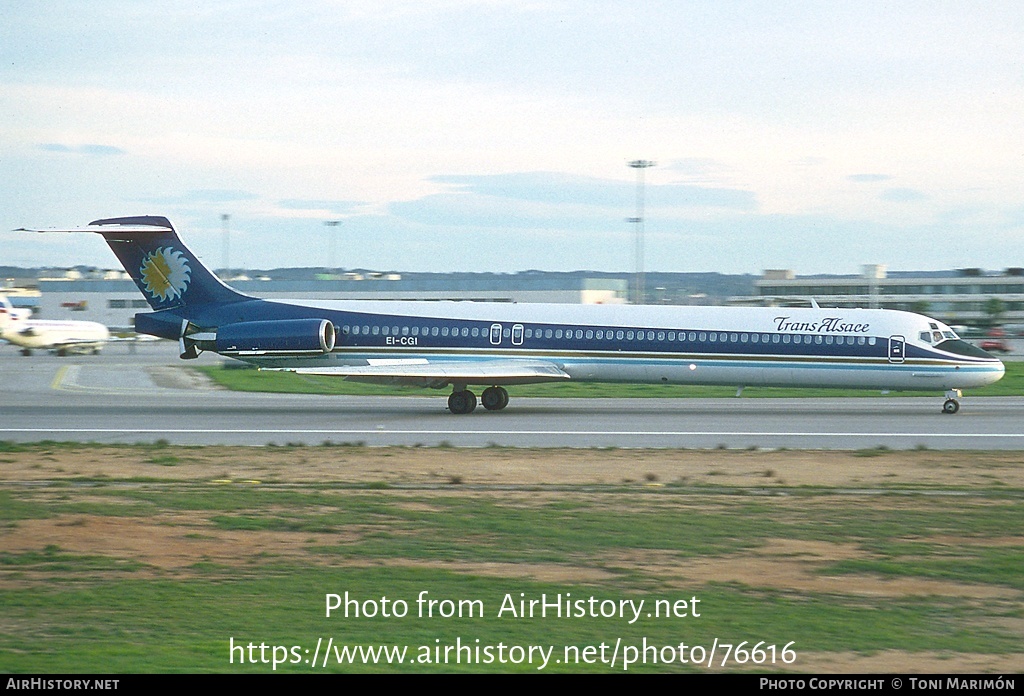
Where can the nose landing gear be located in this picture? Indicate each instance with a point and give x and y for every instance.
(952, 404)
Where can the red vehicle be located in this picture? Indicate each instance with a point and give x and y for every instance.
(994, 345)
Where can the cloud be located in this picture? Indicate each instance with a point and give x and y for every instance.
(202, 196)
(867, 178)
(339, 207)
(89, 149)
(697, 169)
(563, 189)
(903, 195)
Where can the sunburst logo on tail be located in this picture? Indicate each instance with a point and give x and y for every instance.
(165, 273)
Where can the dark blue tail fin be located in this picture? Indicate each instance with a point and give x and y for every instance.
(168, 274)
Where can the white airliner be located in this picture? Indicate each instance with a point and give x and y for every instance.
(494, 345)
(61, 337)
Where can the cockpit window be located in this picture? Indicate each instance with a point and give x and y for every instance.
(936, 336)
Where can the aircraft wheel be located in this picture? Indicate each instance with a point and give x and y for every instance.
(462, 402)
(26, 352)
(61, 352)
(951, 406)
(494, 398)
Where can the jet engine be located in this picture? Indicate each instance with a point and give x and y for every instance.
(270, 337)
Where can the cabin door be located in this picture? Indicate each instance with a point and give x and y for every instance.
(897, 346)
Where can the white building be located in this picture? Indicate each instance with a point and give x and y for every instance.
(963, 297)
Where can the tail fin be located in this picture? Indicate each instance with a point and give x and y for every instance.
(166, 271)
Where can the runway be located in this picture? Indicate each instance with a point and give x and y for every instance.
(150, 395)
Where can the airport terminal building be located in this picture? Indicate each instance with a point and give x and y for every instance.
(969, 296)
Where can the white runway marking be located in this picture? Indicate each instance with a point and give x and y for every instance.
(581, 433)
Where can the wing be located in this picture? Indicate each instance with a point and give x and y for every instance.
(424, 373)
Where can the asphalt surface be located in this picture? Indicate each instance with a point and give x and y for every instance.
(143, 393)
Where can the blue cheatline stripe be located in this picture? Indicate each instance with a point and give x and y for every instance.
(809, 363)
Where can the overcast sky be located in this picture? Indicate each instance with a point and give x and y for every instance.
(495, 135)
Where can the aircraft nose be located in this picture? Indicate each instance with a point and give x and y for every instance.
(996, 371)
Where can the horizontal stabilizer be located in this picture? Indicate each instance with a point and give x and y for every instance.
(102, 229)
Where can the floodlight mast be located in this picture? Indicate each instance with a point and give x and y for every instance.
(639, 165)
(224, 219)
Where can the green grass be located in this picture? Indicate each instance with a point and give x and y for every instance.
(287, 382)
(66, 612)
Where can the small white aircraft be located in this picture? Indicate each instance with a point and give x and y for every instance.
(61, 337)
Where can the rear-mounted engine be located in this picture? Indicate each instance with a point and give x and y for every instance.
(275, 337)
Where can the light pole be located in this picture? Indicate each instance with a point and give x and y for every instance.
(227, 246)
(333, 227)
(639, 166)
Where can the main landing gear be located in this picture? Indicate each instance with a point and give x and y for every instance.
(494, 398)
(952, 404)
(464, 401)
